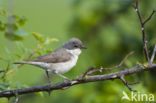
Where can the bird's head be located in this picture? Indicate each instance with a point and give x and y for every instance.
(74, 43)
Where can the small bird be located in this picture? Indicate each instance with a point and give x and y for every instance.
(61, 60)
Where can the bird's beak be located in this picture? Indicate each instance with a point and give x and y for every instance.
(83, 47)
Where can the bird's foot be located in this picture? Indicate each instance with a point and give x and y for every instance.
(66, 80)
(49, 90)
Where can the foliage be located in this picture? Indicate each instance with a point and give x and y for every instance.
(10, 25)
(109, 28)
(11, 30)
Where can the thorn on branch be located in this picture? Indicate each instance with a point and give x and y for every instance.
(127, 84)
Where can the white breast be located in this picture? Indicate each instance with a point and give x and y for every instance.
(66, 66)
(75, 51)
(62, 67)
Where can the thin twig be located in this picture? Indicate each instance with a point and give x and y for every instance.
(124, 59)
(117, 66)
(85, 73)
(133, 83)
(153, 54)
(6, 71)
(143, 29)
(16, 99)
(16, 96)
(150, 17)
(124, 81)
(29, 57)
(2, 71)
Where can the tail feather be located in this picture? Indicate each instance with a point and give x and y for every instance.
(21, 63)
(30, 63)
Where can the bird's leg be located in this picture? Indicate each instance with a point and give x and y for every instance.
(47, 73)
(66, 78)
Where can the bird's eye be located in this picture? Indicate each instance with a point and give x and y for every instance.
(75, 46)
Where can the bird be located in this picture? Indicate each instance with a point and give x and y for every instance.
(61, 60)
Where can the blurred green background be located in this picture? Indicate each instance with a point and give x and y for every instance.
(109, 28)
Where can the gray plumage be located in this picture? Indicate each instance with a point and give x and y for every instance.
(60, 60)
(73, 44)
(57, 56)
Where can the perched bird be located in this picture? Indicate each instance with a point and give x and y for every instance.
(61, 60)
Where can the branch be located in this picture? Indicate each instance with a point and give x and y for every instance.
(60, 85)
(5, 71)
(16, 100)
(143, 29)
(86, 73)
(29, 57)
(150, 17)
(153, 54)
(126, 83)
(117, 75)
(2, 71)
(117, 66)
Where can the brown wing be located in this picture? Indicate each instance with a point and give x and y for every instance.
(59, 55)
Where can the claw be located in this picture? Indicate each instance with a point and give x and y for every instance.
(49, 91)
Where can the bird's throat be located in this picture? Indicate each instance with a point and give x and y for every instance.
(76, 52)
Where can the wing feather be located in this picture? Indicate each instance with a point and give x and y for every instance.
(59, 55)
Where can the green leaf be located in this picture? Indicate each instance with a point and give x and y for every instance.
(50, 40)
(39, 53)
(2, 26)
(2, 12)
(22, 20)
(11, 26)
(49, 51)
(40, 94)
(13, 37)
(20, 33)
(4, 85)
(14, 16)
(19, 56)
(38, 37)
